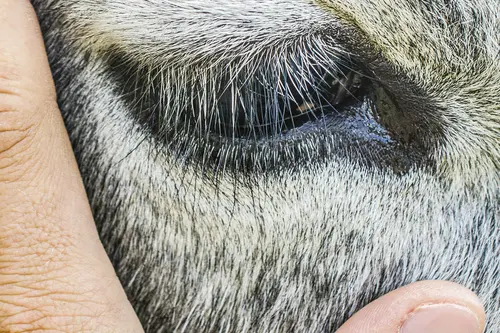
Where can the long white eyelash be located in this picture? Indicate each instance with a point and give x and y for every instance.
(199, 90)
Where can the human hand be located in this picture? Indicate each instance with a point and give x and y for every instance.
(54, 272)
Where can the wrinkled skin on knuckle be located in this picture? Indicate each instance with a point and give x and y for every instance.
(15, 126)
(23, 111)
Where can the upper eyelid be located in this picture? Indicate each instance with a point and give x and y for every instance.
(289, 71)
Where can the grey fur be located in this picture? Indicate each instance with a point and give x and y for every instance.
(302, 247)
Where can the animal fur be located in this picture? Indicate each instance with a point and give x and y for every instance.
(275, 243)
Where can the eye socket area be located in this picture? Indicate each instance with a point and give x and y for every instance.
(287, 103)
(301, 104)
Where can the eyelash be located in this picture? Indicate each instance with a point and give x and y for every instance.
(249, 97)
(272, 103)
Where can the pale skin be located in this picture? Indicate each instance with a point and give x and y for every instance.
(54, 273)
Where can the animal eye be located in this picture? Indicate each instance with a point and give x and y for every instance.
(278, 104)
(271, 110)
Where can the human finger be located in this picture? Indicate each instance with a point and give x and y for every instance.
(422, 307)
(54, 272)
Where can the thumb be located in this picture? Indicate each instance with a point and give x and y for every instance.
(422, 307)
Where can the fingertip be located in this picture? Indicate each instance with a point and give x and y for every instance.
(425, 306)
(450, 292)
(445, 292)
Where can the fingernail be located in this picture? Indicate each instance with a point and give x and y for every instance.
(441, 318)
